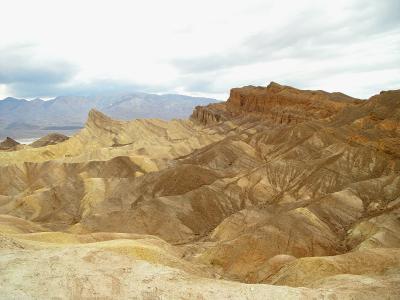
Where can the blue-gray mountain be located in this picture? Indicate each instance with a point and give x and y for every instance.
(21, 118)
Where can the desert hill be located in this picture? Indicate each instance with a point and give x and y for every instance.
(8, 144)
(50, 139)
(295, 192)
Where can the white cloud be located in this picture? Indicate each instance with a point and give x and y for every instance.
(203, 47)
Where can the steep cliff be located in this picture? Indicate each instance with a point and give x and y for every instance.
(277, 103)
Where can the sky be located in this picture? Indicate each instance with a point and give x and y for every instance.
(200, 48)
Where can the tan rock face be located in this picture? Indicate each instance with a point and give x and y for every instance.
(8, 144)
(275, 186)
(50, 139)
(314, 271)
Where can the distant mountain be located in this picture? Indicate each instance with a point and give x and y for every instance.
(21, 125)
(21, 118)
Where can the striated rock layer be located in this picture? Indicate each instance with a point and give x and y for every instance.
(296, 192)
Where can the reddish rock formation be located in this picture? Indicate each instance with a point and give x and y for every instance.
(210, 114)
(278, 103)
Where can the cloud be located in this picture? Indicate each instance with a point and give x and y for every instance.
(28, 74)
(304, 43)
(103, 86)
(24, 72)
(19, 64)
(379, 16)
(362, 37)
(311, 34)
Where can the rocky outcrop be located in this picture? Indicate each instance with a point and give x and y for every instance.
(287, 105)
(8, 144)
(210, 114)
(277, 103)
(50, 139)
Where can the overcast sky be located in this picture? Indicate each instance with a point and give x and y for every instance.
(50, 48)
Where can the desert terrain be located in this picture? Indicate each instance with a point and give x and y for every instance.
(277, 193)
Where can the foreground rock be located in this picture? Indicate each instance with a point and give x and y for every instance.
(144, 267)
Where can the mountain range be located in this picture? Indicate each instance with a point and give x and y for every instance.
(20, 118)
